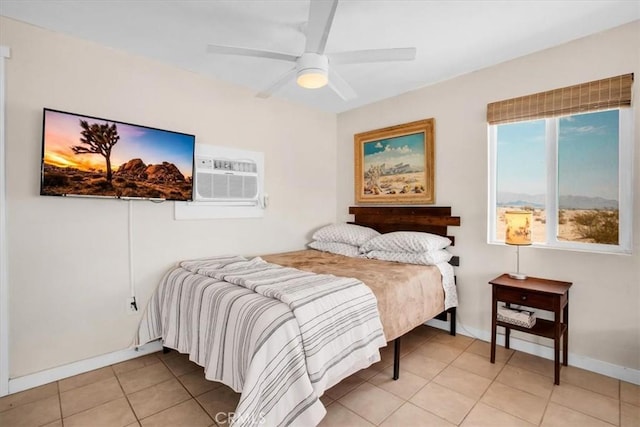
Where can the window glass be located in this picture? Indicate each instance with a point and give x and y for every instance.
(588, 174)
(521, 174)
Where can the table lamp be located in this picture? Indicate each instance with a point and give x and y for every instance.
(519, 234)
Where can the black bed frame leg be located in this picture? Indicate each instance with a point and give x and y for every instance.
(396, 358)
(396, 342)
(452, 320)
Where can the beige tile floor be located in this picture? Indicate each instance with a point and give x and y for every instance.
(444, 381)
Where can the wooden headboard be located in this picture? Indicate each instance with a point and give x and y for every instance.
(431, 219)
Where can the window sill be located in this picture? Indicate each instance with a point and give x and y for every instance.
(567, 246)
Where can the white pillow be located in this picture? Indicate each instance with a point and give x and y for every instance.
(406, 241)
(350, 234)
(336, 248)
(422, 258)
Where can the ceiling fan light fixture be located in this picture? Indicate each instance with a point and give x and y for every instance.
(312, 71)
(312, 79)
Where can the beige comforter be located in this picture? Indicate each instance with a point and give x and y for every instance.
(408, 295)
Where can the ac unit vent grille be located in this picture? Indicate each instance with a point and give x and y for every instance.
(230, 180)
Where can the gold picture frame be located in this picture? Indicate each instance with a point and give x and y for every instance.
(396, 164)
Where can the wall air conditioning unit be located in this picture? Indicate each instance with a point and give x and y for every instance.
(227, 183)
(232, 182)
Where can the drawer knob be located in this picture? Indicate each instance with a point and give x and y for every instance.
(523, 297)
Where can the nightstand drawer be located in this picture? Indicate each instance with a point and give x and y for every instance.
(525, 297)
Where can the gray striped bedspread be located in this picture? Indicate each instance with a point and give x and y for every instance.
(278, 335)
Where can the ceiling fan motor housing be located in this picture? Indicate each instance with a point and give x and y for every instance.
(312, 70)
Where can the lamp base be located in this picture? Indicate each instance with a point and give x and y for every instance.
(518, 276)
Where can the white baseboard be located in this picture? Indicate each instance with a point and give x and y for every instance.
(54, 374)
(598, 366)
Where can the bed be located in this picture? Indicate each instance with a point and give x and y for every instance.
(250, 324)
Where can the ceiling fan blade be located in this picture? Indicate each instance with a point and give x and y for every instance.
(341, 87)
(243, 51)
(321, 13)
(373, 55)
(278, 84)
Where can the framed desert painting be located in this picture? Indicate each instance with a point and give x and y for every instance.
(395, 164)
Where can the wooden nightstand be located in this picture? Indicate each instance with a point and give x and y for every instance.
(544, 294)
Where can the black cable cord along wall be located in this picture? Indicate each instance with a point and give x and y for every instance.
(133, 305)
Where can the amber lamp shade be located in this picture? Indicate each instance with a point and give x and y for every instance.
(518, 233)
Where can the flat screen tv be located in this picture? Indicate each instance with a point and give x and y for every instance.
(94, 157)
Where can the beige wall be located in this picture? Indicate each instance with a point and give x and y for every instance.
(68, 259)
(605, 299)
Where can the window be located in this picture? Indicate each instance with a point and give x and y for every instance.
(572, 170)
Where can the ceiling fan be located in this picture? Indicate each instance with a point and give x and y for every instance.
(314, 68)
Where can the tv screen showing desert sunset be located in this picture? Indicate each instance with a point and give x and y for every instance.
(89, 156)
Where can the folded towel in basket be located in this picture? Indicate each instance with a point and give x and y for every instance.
(522, 318)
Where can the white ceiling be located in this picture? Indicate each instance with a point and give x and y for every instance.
(451, 37)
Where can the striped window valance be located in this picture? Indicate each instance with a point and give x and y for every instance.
(597, 95)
